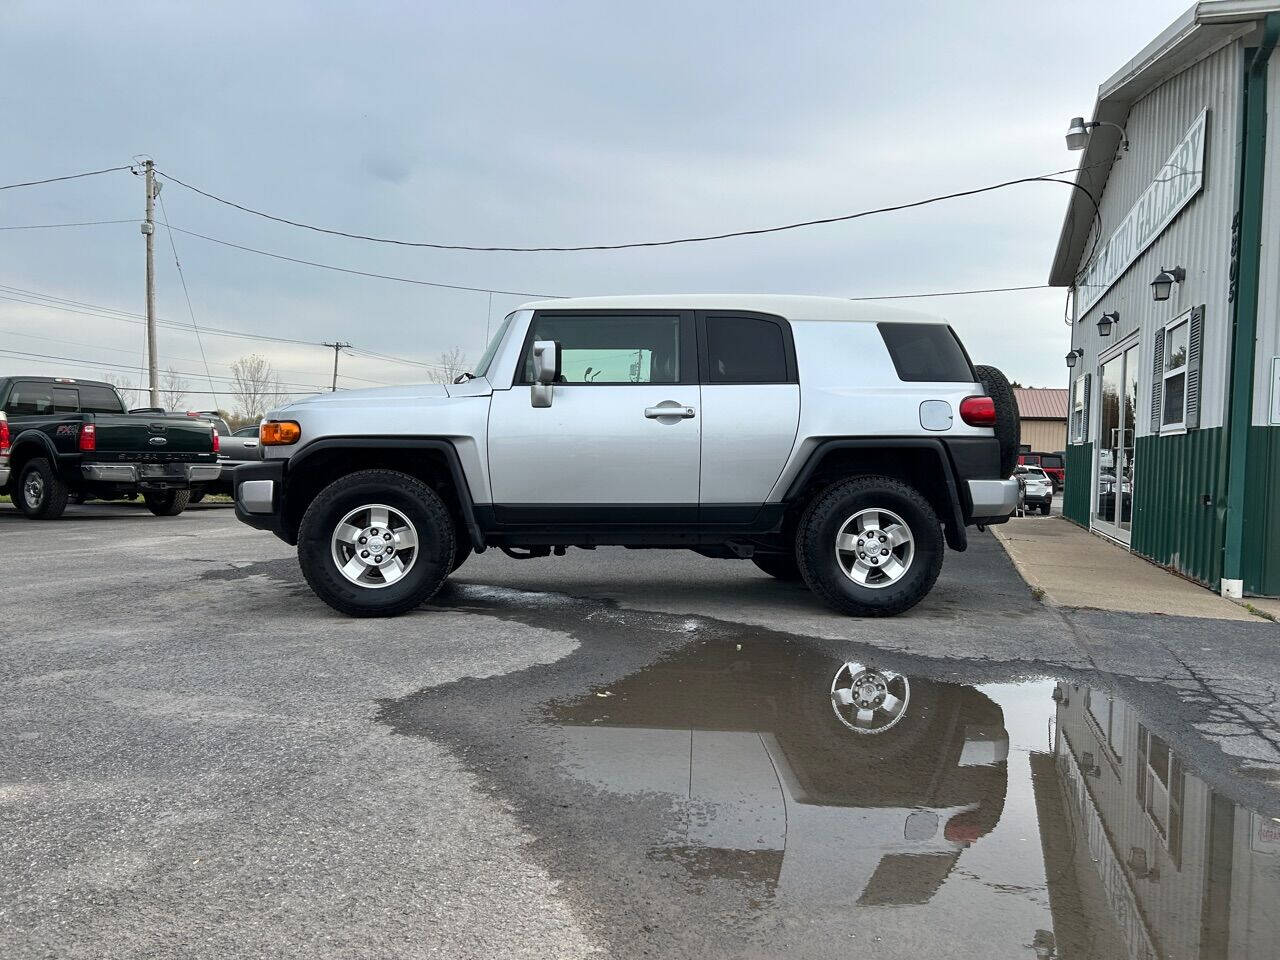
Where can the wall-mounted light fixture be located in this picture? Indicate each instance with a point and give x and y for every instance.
(1073, 356)
(1162, 285)
(1087, 766)
(1078, 132)
(1105, 321)
(1139, 866)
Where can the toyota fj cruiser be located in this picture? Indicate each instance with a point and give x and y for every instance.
(824, 440)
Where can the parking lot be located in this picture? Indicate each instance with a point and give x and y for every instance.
(614, 753)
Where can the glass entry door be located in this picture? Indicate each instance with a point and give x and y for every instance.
(1116, 421)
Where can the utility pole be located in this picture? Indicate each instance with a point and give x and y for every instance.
(337, 348)
(149, 232)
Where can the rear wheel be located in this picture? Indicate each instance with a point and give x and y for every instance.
(170, 503)
(870, 546)
(780, 566)
(197, 496)
(41, 493)
(376, 543)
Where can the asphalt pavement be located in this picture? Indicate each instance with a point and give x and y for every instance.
(614, 753)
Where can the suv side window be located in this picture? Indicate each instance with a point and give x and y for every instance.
(99, 400)
(603, 348)
(31, 400)
(926, 353)
(746, 350)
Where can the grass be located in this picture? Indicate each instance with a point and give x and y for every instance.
(1258, 612)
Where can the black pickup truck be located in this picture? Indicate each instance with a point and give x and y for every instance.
(60, 437)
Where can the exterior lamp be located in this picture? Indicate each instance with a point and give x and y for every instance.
(1078, 132)
(1073, 355)
(1162, 285)
(1105, 321)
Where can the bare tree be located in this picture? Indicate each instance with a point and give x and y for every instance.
(125, 387)
(173, 390)
(256, 387)
(449, 366)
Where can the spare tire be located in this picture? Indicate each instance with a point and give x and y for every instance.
(1008, 423)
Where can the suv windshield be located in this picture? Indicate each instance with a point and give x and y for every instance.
(482, 368)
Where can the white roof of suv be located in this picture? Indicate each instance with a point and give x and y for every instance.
(790, 307)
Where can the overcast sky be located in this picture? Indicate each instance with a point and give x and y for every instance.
(536, 123)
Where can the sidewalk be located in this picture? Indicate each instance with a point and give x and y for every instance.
(1075, 568)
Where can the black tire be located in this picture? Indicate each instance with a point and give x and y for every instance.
(197, 496)
(828, 513)
(167, 504)
(411, 497)
(1008, 423)
(40, 493)
(1044, 510)
(780, 566)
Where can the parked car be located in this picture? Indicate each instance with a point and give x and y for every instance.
(823, 440)
(1037, 487)
(235, 447)
(73, 437)
(1053, 464)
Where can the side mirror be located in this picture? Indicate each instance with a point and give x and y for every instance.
(546, 371)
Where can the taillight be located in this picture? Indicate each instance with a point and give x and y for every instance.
(88, 437)
(4, 433)
(217, 445)
(978, 411)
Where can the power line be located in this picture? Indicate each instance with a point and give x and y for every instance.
(365, 273)
(704, 238)
(81, 223)
(81, 361)
(951, 293)
(186, 293)
(70, 176)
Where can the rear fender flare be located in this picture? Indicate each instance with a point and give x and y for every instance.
(953, 524)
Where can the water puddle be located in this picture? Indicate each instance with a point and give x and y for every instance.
(741, 793)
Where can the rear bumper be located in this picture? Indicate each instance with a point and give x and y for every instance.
(993, 501)
(4, 472)
(147, 474)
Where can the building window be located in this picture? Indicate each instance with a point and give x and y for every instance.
(1079, 390)
(1160, 787)
(1176, 340)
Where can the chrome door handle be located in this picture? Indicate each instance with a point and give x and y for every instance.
(669, 408)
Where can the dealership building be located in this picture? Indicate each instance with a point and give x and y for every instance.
(1171, 249)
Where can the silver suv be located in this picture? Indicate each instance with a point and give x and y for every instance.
(822, 440)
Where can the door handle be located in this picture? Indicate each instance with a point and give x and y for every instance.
(669, 408)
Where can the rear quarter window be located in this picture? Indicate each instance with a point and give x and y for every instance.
(926, 352)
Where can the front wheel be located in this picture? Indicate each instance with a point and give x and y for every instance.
(376, 543)
(167, 504)
(870, 546)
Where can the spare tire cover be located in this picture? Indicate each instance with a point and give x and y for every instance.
(1008, 423)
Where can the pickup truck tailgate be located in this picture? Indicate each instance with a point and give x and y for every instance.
(155, 438)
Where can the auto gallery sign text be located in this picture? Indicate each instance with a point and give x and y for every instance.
(1178, 181)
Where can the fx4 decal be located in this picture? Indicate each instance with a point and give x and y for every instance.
(68, 430)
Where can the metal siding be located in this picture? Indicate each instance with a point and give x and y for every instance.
(1044, 436)
(1199, 239)
(1171, 523)
(1261, 554)
(1268, 342)
(1076, 495)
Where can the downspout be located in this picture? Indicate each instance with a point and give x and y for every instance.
(1244, 320)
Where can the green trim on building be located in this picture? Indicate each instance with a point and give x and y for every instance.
(1172, 523)
(1245, 317)
(1075, 495)
(1261, 572)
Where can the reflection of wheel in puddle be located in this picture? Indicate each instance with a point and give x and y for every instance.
(867, 700)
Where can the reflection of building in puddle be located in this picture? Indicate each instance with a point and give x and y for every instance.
(1148, 860)
(773, 785)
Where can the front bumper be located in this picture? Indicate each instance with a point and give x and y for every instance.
(146, 474)
(258, 490)
(993, 501)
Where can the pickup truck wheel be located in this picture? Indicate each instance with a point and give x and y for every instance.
(197, 496)
(870, 546)
(780, 566)
(376, 543)
(41, 493)
(167, 504)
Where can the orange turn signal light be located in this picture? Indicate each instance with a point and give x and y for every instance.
(279, 433)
